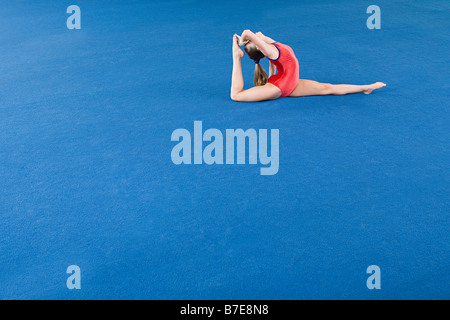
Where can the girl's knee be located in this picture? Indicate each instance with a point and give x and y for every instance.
(327, 88)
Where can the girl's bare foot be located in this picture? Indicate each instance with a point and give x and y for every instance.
(237, 52)
(373, 86)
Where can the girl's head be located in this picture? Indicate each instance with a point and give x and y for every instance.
(256, 55)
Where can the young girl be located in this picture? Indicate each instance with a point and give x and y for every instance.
(286, 82)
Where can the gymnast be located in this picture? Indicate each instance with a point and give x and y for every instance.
(283, 79)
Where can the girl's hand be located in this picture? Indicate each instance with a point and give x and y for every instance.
(237, 52)
(245, 34)
(240, 42)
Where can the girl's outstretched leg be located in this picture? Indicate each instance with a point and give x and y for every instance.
(237, 80)
(340, 89)
(313, 88)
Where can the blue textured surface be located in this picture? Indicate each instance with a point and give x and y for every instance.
(86, 176)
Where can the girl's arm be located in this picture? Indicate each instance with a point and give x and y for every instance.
(267, 49)
(265, 38)
(272, 69)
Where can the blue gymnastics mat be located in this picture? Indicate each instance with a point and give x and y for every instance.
(87, 179)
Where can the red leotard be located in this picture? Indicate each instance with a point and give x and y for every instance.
(288, 71)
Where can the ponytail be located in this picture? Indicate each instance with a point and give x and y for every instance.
(256, 55)
(260, 75)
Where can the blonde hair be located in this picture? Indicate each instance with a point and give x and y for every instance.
(261, 77)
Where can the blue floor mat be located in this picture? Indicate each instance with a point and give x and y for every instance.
(86, 176)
